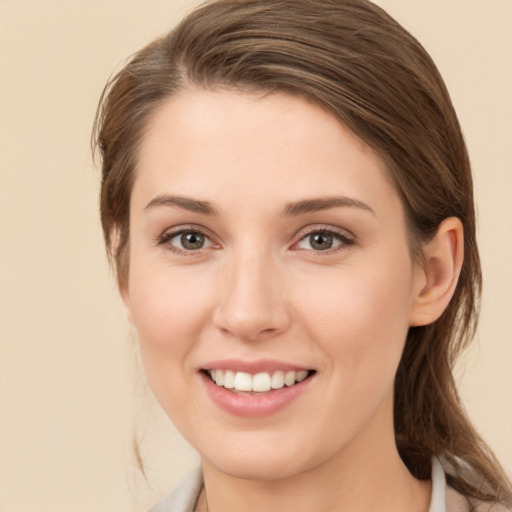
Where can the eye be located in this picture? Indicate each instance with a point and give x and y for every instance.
(186, 241)
(324, 240)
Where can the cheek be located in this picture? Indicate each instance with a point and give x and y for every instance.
(167, 313)
(360, 316)
(169, 310)
(166, 303)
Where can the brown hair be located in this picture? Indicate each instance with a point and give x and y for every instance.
(355, 61)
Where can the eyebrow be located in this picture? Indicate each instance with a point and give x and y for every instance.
(324, 203)
(291, 209)
(193, 205)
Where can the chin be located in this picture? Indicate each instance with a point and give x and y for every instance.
(263, 469)
(268, 458)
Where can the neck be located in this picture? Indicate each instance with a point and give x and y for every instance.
(367, 475)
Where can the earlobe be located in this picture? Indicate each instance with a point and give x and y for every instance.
(122, 279)
(437, 278)
(125, 295)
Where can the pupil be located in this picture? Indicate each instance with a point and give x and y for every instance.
(321, 241)
(192, 240)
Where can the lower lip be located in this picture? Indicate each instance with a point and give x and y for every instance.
(257, 405)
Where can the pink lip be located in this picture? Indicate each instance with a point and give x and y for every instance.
(252, 367)
(255, 405)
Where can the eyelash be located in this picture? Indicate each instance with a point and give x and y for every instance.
(166, 238)
(345, 240)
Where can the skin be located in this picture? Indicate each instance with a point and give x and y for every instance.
(258, 289)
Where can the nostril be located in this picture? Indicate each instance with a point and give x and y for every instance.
(249, 308)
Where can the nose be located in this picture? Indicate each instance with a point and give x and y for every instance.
(252, 303)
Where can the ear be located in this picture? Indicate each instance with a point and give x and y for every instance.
(124, 291)
(118, 261)
(436, 279)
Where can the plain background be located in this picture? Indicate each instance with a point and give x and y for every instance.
(71, 393)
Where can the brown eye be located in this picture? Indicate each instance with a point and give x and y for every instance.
(324, 240)
(321, 241)
(192, 241)
(186, 241)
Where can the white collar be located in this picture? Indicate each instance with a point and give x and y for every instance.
(438, 497)
(183, 498)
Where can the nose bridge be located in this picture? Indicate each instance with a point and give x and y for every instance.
(251, 304)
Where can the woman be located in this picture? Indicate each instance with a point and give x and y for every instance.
(287, 199)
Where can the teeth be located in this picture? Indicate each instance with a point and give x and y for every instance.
(243, 381)
(301, 375)
(289, 378)
(259, 383)
(229, 379)
(277, 381)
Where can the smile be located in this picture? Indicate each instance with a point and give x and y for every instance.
(263, 382)
(257, 388)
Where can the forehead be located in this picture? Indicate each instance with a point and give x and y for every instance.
(215, 144)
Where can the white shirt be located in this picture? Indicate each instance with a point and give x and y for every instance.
(443, 499)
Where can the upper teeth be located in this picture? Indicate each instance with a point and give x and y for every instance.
(242, 381)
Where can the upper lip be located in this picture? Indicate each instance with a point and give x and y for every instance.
(254, 366)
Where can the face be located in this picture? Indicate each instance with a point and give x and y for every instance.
(268, 252)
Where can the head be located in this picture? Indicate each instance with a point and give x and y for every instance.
(349, 59)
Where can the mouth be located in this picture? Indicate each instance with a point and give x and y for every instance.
(264, 382)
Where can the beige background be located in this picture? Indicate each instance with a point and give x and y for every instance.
(70, 398)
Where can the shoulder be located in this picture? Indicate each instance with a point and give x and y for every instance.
(447, 499)
(183, 498)
(455, 502)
